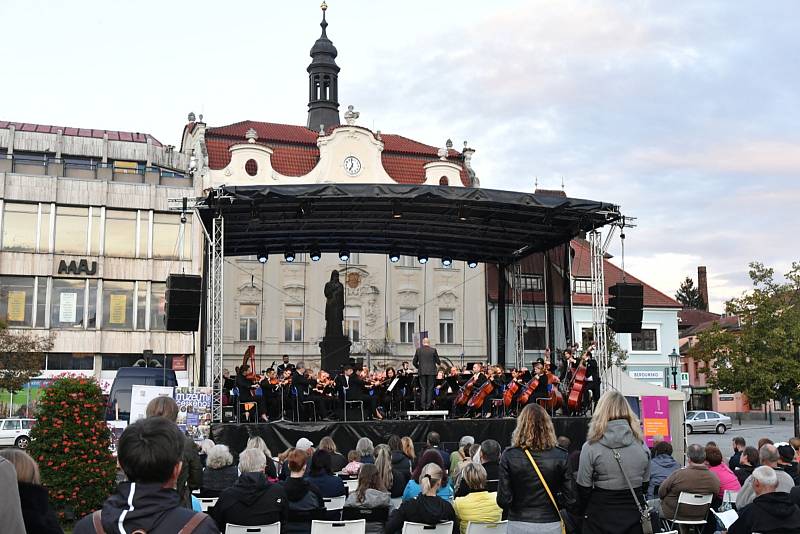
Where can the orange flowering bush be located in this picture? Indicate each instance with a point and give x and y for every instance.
(71, 444)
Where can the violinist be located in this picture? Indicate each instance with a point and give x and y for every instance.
(592, 375)
(271, 394)
(390, 400)
(301, 386)
(285, 365)
(228, 383)
(322, 394)
(498, 378)
(541, 391)
(351, 387)
(443, 391)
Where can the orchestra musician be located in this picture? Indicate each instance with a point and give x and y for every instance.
(301, 386)
(390, 400)
(427, 361)
(285, 365)
(351, 387)
(246, 394)
(271, 394)
(592, 376)
(568, 366)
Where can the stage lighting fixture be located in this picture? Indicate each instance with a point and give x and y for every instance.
(289, 256)
(472, 264)
(315, 254)
(447, 261)
(394, 257)
(422, 258)
(262, 256)
(396, 213)
(344, 255)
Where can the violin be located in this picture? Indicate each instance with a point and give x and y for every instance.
(466, 391)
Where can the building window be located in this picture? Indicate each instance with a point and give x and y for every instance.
(68, 361)
(158, 311)
(120, 233)
(407, 325)
(535, 338)
(44, 228)
(352, 323)
(95, 230)
(166, 236)
(112, 362)
(293, 323)
(118, 305)
(248, 322)
(16, 300)
(67, 301)
(645, 341)
(583, 285)
(19, 226)
(128, 167)
(41, 302)
(143, 234)
(532, 282)
(91, 305)
(72, 229)
(141, 305)
(587, 336)
(447, 326)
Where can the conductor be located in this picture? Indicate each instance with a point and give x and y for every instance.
(426, 360)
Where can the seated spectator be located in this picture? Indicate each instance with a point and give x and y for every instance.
(460, 454)
(150, 452)
(407, 445)
(252, 500)
(338, 461)
(365, 451)
(304, 445)
(489, 454)
(220, 473)
(427, 507)
(400, 461)
(371, 494)
(322, 477)
(695, 478)
(662, 465)
(39, 517)
(795, 443)
(764, 441)
(748, 461)
(414, 486)
(727, 480)
(478, 504)
(433, 441)
(787, 463)
(205, 446)
(767, 455)
(305, 499)
(10, 508)
(353, 465)
(771, 512)
(738, 448)
(256, 442)
(393, 480)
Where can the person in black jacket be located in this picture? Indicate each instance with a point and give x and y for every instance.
(39, 517)
(304, 498)
(252, 500)
(771, 512)
(351, 388)
(400, 461)
(426, 507)
(520, 490)
(323, 478)
(747, 462)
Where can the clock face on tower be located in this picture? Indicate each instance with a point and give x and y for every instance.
(352, 165)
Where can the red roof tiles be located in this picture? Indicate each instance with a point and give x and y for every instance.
(113, 135)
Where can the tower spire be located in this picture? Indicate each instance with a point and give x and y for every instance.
(323, 81)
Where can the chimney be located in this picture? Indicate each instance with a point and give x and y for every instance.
(702, 285)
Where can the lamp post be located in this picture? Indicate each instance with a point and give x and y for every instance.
(674, 362)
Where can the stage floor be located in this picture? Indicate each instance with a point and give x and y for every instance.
(281, 435)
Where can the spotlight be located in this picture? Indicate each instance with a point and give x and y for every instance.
(447, 261)
(262, 255)
(472, 264)
(394, 257)
(344, 255)
(289, 256)
(315, 254)
(422, 258)
(396, 213)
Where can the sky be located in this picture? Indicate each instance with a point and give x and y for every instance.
(685, 113)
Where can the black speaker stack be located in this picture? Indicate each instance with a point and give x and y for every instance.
(625, 308)
(183, 299)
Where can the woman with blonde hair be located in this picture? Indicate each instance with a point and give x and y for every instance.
(478, 505)
(407, 448)
(613, 459)
(426, 508)
(256, 442)
(393, 480)
(531, 470)
(371, 493)
(338, 461)
(37, 514)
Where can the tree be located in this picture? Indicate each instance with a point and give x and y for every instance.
(21, 357)
(762, 358)
(690, 296)
(70, 441)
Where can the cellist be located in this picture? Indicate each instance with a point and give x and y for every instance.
(541, 391)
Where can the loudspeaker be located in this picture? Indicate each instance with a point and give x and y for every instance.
(625, 308)
(184, 295)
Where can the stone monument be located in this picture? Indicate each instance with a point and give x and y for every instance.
(335, 346)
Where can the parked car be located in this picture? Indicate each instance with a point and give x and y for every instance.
(16, 431)
(707, 421)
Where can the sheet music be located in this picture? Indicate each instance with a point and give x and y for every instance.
(393, 384)
(727, 517)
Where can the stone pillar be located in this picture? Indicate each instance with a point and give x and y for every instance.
(702, 285)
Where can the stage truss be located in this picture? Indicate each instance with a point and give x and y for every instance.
(519, 320)
(599, 312)
(216, 261)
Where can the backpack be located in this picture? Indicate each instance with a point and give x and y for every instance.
(188, 528)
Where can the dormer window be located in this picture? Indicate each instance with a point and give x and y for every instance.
(583, 286)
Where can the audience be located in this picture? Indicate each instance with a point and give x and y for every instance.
(305, 500)
(414, 486)
(489, 455)
(767, 455)
(433, 441)
(427, 507)
(322, 477)
(393, 480)
(695, 478)
(460, 454)
(521, 491)
(739, 445)
(370, 493)
(605, 497)
(407, 446)
(787, 463)
(220, 473)
(37, 514)
(771, 511)
(748, 461)
(478, 504)
(150, 452)
(338, 461)
(366, 451)
(252, 500)
(764, 441)
(10, 507)
(727, 480)
(795, 443)
(661, 466)
(256, 442)
(353, 466)
(400, 461)
(205, 446)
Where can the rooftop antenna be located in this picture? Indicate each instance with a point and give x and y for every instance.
(535, 183)
(562, 183)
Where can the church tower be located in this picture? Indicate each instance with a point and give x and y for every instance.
(323, 83)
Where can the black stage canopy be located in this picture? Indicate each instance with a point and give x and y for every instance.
(482, 225)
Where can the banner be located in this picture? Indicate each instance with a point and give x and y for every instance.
(655, 418)
(67, 309)
(194, 411)
(142, 395)
(116, 312)
(16, 306)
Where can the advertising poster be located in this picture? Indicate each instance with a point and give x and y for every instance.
(194, 411)
(655, 419)
(16, 306)
(116, 313)
(67, 308)
(142, 395)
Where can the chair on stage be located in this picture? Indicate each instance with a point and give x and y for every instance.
(421, 528)
(298, 405)
(274, 528)
(499, 527)
(358, 526)
(346, 402)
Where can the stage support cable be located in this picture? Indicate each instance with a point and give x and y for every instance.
(599, 306)
(519, 320)
(216, 261)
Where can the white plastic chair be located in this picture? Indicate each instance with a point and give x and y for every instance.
(729, 496)
(334, 503)
(420, 528)
(356, 526)
(690, 499)
(207, 502)
(487, 528)
(274, 528)
(352, 484)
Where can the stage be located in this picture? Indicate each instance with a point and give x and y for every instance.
(281, 435)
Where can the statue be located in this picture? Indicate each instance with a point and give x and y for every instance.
(334, 306)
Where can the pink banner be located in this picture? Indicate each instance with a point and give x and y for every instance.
(655, 419)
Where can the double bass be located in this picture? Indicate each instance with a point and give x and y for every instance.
(578, 383)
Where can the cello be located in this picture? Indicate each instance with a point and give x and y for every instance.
(482, 394)
(511, 390)
(530, 387)
(555, 399)
(466, 391)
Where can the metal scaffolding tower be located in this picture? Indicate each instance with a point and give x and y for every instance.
(519, 319)
(215, 315)
(599, 304)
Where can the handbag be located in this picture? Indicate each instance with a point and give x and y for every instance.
(549, 493)
(644, 511)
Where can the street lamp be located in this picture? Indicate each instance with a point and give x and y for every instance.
(674, 362)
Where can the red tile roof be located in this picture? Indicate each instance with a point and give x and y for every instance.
(113, 135)
(730, 322)
(296, 152)
(689, 317)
